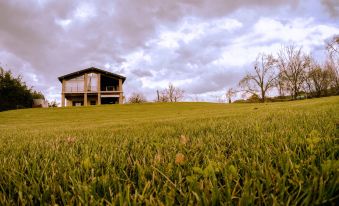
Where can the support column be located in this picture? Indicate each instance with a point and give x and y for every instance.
(99, 89)
(85, 99)
(62, 99)
(120, 92)
(63, 93)
(85, 90)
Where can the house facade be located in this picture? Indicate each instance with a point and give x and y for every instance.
(91, 86)
(37, 103)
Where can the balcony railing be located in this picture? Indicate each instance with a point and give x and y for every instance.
(109, 88)
(80, 89)
(91, 89)
(74, 89)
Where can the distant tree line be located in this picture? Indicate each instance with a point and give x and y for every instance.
(293, 73)
(169, 94)
(14, 93)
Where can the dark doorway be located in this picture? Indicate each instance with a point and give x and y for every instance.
(110, 100)
(93, 102)
(78, 103)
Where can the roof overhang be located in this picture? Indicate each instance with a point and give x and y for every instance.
(91, 69)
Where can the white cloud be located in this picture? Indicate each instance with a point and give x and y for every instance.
(300, 31)
(33, 77)
(85, 11)
(191, 29)
(268, 35)
(200, 46)
(64, 23)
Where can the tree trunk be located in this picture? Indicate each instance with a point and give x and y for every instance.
(262, 96)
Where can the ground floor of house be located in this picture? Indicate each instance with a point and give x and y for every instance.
(90, 99)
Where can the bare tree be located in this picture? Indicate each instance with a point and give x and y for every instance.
(332, 63)
(281, 85)
(158, 96)
(170, 94)
(163, 96)
(178, 94)
(218, 98)
(196, 98)
(292, 64)
(317, 80)
(333, 70)
(229, 94)
(137, 98)
(262, 79)
(332, 46)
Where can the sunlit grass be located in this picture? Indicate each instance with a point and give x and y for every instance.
(180, 153)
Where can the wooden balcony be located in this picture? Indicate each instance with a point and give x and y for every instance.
(108, 89)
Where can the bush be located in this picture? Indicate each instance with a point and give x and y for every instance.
(14, 93)
(137, 98)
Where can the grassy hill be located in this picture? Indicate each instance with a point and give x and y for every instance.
(179, 153)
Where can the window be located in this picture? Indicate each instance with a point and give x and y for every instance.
(92, 82)
(75, 85)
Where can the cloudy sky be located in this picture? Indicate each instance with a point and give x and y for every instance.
(202, 46)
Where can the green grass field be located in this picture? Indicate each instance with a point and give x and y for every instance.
(172, 153)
